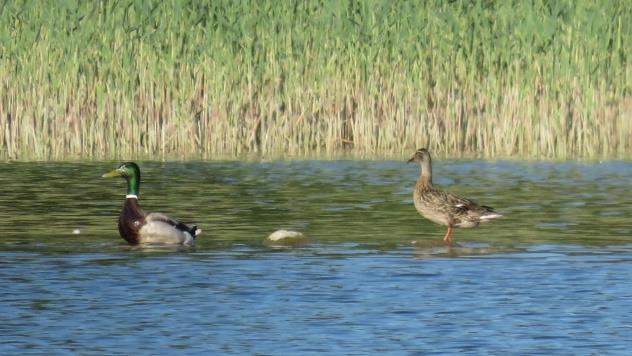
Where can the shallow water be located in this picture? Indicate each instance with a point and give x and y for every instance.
(549, 277)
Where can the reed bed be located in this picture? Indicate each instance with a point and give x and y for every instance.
(176, 78)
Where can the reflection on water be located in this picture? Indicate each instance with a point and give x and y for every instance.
(330, 201)
(551, 276)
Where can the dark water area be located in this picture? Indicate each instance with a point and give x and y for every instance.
(551, 276)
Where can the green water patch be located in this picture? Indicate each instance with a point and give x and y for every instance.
(67, 206)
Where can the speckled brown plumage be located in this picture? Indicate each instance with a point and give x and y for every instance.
(443, 207)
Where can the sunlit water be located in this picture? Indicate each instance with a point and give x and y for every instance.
(552, 276)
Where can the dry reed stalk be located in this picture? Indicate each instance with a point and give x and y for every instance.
(212, 78)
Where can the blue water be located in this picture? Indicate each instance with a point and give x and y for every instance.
(552, 277)
(548, 299)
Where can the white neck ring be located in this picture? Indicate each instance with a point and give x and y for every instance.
(131, 196)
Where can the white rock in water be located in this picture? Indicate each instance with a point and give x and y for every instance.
(280, 235)
(76, 232)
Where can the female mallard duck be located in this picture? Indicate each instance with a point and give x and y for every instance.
(442, 207)
(137, 227)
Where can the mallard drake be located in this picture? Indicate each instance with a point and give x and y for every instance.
(442, 207)
(138, 227)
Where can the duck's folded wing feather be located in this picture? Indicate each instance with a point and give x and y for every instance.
(160, 232)
(175, 223)
(160, 217)
(456, 204)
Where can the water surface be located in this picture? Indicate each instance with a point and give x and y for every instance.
(550, 277)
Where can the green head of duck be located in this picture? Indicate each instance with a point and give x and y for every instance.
(131, 173)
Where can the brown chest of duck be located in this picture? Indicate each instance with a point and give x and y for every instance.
(442, 207)
(138, 227)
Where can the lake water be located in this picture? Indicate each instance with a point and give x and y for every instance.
(552, 276)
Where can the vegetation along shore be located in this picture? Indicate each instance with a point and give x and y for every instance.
(110, 79)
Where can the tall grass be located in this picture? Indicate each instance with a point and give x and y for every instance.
(109, 79)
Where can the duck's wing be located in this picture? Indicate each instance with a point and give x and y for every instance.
(161, 229)
(159, 217)
(456, 205)
(162, 218)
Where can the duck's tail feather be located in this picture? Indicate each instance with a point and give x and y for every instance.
(194, 231)
(489, 216)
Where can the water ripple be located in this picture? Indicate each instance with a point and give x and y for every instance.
(550, 277)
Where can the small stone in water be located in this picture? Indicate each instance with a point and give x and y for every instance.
(285, 234)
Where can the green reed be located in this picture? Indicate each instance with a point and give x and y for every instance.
(153, 78)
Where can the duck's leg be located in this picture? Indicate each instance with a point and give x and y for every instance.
(448, 234)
